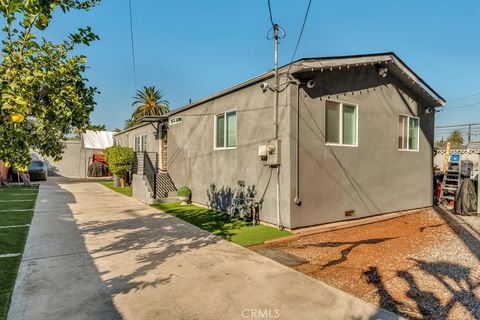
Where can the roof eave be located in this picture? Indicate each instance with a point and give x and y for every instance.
(371, 58)
(314, 64)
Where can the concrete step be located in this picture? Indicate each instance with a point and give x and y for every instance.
(172, 194)
(167, 200)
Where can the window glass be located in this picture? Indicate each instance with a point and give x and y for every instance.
(137, 144)
(402, 132)
(144, 143)
(220, 134)
(232, 129)
(413, 134)
(408, 133)
(349, 124)
(332, 122)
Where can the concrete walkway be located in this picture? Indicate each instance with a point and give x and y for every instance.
(95, 254)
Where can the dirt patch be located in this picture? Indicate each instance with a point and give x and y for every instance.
(423, 265)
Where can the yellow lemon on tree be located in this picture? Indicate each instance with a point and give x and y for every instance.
(17, 117)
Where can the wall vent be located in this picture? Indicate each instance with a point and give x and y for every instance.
(349, 213)
(175, 120)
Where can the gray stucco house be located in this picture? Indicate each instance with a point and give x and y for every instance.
(149, 174)
(355, 139)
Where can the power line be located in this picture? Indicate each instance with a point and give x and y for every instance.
(300, 35)
(461, 106)
(270, 11)
(464, 97)
(133, 45)
(458, 125)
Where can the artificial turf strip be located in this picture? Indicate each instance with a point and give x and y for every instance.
(15, 218)
(14, 189)
(127, 191)
(12, 240)
(17, 205)
(9, 268)
(218, 223)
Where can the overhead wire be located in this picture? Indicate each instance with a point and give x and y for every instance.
(132, 45)
(270, 11)
(461, 106)
(464, 97)
(300, 35)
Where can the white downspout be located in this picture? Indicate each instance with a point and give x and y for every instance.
(279, 220)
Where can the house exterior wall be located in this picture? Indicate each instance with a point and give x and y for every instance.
(126, 138)
(193, 162)
(374, 177)
(73, 163)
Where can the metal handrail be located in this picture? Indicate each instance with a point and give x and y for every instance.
(150, 171)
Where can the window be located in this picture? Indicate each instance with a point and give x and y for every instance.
(175, 120)
(408, 133)
(140, 143)
(341, 123)
(226, 130)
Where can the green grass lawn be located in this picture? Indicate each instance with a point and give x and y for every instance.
(17, 218)
(12, 240)
(218, 223)
(9, 267)
(125, 190)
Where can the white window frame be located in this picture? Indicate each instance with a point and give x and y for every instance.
(408, 132)
(175, 120)
(225, 135)
(141, 145)
(341, 144)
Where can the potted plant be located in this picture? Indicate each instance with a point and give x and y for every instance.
(120, 161)
(184, 194)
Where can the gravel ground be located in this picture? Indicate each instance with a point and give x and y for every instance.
(420, 266)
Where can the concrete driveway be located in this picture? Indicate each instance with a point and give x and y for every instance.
(95, 254)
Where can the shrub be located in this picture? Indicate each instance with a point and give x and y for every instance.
(185, 192)
(120, 160)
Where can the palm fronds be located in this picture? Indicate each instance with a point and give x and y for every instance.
(149, 102)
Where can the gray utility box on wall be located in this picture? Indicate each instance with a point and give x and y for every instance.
(270, 153)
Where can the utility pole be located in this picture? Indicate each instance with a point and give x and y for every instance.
(275, 112)
(469, 133)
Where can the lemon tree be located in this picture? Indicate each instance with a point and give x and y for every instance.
(43, 90)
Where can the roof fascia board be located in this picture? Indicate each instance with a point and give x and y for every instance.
(130, 129)
(326, 62)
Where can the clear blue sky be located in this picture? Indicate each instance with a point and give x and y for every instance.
(190, 49)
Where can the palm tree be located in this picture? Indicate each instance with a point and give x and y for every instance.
(456, 138)
(130, 123)
(149, 103)
(441, 144)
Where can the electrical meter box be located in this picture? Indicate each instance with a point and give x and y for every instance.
(270, 153)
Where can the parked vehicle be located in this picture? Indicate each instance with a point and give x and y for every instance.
(38, 170)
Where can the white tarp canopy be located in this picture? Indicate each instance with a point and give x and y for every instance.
(98, 140)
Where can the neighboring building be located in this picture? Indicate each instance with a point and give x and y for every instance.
(78, 155)
(141, 138)
(365, 141)
(150, 180)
